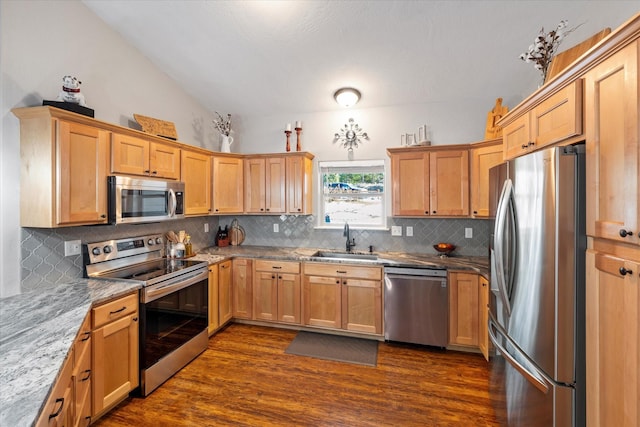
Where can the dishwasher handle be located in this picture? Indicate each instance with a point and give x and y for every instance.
(415, 272)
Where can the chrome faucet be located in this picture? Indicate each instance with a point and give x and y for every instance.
(350, 242)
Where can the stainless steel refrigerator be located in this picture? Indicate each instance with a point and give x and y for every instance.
(536, 304)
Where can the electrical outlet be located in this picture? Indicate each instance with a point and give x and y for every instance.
(72, 247)
(396, 230)
(276, 228)
(468, 233)
(206, 227)
(409, 231)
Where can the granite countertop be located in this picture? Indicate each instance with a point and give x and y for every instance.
(37, 331)
(478, 264)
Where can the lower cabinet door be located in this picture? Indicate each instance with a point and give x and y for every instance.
(362, 306)
(322, 301)
(289, 298)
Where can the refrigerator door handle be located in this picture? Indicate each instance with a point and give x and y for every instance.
(500, 226)
(537, 382)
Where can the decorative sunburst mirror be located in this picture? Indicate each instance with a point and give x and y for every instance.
(350, 136)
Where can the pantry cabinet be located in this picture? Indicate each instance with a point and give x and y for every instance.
(277, 291)
(132, 155)
(613, 148)
(426, 181)
(242, 288)
(227, 184)
(484, 156)
(63, 171)
(342, 296)
(196, 175)
(554, 119)
(613, 319)
(265, 185)
(115, 352)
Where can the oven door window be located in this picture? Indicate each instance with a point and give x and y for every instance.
(144, 203)
(172, 320)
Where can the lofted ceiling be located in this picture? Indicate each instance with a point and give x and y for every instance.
(270, 57)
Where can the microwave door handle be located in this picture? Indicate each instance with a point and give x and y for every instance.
(537, 382)
(499, 231)
(172, 202)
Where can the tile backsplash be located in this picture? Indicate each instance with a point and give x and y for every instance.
(43, 262)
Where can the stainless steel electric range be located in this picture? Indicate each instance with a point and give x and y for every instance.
(173, 301)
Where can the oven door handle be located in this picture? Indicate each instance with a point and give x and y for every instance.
(165, 288)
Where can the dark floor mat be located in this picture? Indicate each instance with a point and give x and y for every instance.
(335, 347)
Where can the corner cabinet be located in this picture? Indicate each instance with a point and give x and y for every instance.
(196, 175)
(64, 167)
(430, 181)
(228, 178)
(484, 156)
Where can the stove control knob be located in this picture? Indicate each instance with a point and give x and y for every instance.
(96, 251)
(158, 240)
(107, 249)
(151, 242)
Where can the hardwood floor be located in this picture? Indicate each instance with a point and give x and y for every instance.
(245, 378)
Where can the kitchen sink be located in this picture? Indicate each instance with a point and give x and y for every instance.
(346, 255)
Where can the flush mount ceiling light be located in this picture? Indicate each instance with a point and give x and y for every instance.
(347, 96)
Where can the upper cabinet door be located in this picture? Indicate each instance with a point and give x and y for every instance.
(298, 179)
(254, 181)
(82, 153)
(449, 182)
(410, 183)
(227, 185)
(482, 159)
(196, 174)
(275, 185)
(129, 155)
(612, 137)
(164, 160)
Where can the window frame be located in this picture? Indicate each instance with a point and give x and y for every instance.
(374, 166)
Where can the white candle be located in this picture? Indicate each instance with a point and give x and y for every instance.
(288, 128)
(299, 124)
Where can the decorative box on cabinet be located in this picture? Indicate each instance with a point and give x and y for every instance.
(132, 155)
(552, 120)
(64, 168)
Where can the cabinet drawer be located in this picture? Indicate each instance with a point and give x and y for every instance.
(115, 310)
(280, 266)
(350, 271)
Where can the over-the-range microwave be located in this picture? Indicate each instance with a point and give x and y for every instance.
(140, 200)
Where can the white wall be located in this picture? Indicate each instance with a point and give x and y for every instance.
(41, 41)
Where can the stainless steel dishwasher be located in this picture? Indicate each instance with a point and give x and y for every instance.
(416, 305)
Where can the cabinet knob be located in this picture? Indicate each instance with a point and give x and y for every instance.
(524, 146)
(103, 216)
(273, 276)
(337, 282)
(434, 212)
(475, 212)
(531, 143)
(154, 172)
(267, 209)
(147, 171)
(625, 233)
(624, 271)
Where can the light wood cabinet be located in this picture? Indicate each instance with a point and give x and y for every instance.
(554, 119)
(277, 291)
(613, 148)
(449, 182)
(484, 156)
(227, 185)
(58, 411)
(213, 312)
(463, 309)
(429, 181)
(242, 288)
(612, 332)
(132, 155)
(225, 304)
(64, 168)
(265, 185)
(341, 296)
(196, 175)
(299, 168)
(483, 317)
(115, 352)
